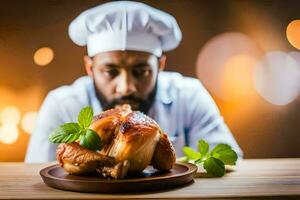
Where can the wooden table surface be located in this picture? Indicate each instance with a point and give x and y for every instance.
(261, 178)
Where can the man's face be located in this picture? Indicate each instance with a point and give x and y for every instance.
(125, 77)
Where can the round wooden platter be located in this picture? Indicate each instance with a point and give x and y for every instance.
(148, 180)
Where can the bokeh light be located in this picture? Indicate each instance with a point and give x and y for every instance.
(238, 77)
(225, 65)
(10, 115)
(9, 133)
(29, 121)
(277, 78)
(293, 33)
(43, 56)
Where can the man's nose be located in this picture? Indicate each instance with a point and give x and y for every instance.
(125, 84)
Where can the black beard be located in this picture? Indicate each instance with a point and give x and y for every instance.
(142, 105)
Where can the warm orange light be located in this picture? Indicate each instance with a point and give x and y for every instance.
(276, 78)
(293, 33)
(43, 56)
(10, 115)
(29, 121)
(238, 77)
(9, 133)
(223, 65)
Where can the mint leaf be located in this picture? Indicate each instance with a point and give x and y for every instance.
(213, 162)
(70, 132)
(66, 133)
(70, 127)
(200, 160)
(85, 117)
(224, 153)
(214, 166)
(203, 147)
(191, 154)
(91, 140)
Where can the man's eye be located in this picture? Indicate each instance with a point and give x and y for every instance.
(142, 72)
(111, 72)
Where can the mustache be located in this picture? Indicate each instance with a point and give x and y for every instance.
(130, 98)
(140, 104)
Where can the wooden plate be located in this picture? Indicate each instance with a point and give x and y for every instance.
(148, 180)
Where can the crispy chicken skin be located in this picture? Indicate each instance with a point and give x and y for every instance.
(135, 141)
(164, 155)
(76, 159)
(131, 141)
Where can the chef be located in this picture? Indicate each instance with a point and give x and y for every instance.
(126, 43)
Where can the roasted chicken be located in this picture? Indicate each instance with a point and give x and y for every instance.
(131, 141)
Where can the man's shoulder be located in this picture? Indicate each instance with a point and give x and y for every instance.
(77, 90)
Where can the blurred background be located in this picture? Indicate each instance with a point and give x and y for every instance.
(246, 53)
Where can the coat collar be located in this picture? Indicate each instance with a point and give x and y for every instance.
(164, 92)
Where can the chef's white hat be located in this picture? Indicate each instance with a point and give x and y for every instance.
(125, 25)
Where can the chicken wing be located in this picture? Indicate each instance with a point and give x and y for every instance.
(164, 156)
(76, 159)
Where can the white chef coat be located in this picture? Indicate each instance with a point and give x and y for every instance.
(183, 108)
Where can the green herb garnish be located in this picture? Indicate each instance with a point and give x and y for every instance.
(213, 162)
(71, 132)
